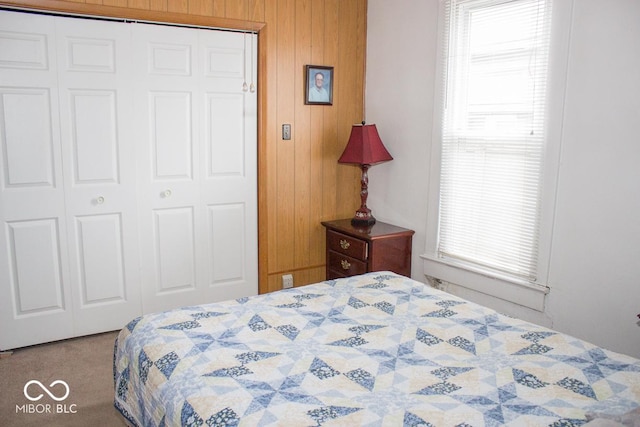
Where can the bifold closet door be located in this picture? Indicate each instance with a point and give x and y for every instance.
(98, 150)
(128, 180)
(69, 253)
(35, 304)
(197, 181)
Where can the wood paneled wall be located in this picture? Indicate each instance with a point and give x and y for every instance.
(304, 182)
(300, 182)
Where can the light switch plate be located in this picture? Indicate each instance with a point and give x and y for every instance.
(286, 131)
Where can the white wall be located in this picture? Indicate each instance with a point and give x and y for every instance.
(594, 273)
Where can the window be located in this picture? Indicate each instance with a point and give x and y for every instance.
(493, 136)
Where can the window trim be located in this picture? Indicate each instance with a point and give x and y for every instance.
(512, 289)
(487, 282)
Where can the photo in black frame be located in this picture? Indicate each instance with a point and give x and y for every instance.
(318, 85)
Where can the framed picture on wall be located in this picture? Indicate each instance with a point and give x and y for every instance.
(318, 85)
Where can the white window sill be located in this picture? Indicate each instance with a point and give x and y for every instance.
(508, 289)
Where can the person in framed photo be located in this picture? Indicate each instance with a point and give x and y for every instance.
(317, 92)
(319, 85)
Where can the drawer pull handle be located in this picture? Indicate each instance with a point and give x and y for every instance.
(100, 200)
(345, 264)
(344, 244)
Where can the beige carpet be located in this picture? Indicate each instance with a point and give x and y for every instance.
(85, 364)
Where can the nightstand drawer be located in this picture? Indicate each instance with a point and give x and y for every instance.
(354, 250)
(345, 265)
(347, 245)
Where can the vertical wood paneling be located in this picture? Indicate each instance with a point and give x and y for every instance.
(139, 4)
(285, 167)
(236, 9)
(317, 140)
(351, 55)
(200, 7)
(178, 6)
(331, 144)
(300, 181)
(302, 144)
(337, 39)
(219, 8)
(257, 10)
(115, 3)
(159, 5)
(268, 160)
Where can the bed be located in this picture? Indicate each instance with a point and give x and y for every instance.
(370, 350)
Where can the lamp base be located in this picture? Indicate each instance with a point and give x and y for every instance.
(361, 220)
(363, 217)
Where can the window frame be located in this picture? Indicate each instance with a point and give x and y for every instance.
(492, 283)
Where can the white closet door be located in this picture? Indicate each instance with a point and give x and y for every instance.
(96, 101)
(35, 298)
(128, 178)
(197, 180)
(229, 164)
(168, 153)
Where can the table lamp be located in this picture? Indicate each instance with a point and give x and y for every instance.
(364, 148)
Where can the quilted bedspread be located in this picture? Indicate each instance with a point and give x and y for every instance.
(372, 350)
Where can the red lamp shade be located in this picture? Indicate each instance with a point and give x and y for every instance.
(364, 148)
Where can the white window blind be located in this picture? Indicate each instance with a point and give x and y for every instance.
(494, 133)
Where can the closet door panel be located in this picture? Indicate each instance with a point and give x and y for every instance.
(168, 167)
(227, 224)
(228, 60)
(30, 148)
(100, 259)
(22, 50)
(170, 119)
(34, 288)
(35, 267)
(100, 172)
(27, 144)
(26, 52)
(86, 53)
(174, 236)
(94, 128)
(229, 184)
(224, 141)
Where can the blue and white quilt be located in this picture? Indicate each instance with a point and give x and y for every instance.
(371, 350)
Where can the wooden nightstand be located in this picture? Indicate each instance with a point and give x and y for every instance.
(352, 250)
